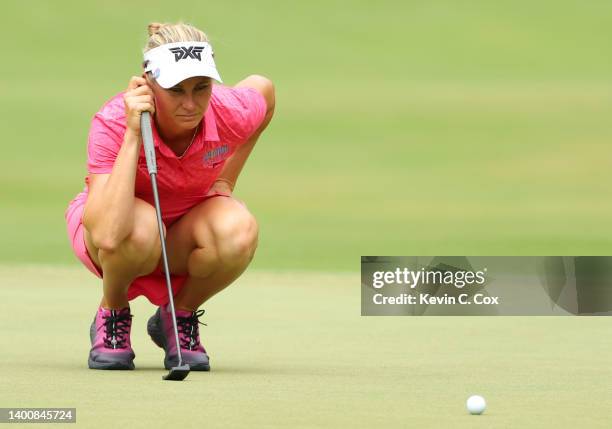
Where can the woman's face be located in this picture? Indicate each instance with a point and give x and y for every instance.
(181, 108)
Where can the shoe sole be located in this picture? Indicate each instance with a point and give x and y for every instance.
(120, 366)
(156, 334)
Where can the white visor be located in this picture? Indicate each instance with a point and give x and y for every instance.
(174, 62)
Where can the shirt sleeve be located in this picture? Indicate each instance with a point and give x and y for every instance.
(104, 142)
(244, 109)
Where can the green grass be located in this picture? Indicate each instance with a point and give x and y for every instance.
(291, 350)
(403, 128)
(407, 128)
(440, 127)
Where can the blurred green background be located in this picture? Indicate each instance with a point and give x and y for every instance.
(412, 127)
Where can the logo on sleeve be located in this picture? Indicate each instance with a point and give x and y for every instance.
(183, 52)
(216, 155)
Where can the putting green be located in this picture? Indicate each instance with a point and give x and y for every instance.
(290, 349)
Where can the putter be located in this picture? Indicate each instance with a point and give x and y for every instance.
(181, 371)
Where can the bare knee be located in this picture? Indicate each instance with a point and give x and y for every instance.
(235, 238)
(141, 248)
(143, 244)
(226, 234)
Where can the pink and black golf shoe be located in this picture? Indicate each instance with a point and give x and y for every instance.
(162, 333)
(110, 340)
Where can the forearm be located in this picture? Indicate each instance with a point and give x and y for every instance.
(110, 214)
(234, 164)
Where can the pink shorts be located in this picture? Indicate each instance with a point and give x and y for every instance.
(153, 286)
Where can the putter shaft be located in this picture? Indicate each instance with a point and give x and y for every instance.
(166, 269)
(179, 372)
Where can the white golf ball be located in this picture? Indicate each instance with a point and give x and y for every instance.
(476, 404)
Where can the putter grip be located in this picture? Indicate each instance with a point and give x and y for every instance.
(147, 140)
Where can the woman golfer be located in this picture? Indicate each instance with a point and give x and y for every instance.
(203, 134)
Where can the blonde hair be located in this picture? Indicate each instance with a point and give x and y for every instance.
(160, 34)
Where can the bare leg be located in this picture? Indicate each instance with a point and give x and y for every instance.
(136, 256)
(213, 244)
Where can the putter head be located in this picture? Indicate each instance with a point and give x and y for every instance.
(177, 373)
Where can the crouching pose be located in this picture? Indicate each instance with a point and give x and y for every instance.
(203, 134)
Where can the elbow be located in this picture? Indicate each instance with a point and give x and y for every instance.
(100, 237)
(266, 88)
(102, 240)
(270, 96)
(108, 245)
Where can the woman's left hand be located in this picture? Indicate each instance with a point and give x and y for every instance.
(220, 187)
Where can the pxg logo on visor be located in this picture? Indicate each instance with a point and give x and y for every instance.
(183, 52)
(168, 59)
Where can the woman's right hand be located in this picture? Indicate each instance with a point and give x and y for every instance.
(138, 98)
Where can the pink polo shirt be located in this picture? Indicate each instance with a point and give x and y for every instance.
(232, 116)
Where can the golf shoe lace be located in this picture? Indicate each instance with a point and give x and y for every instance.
(117, 326)
(188, 327)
